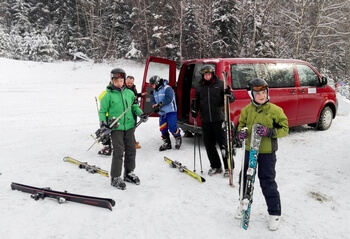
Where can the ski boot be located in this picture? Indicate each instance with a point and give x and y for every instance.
(213, 171)
(118, 183)
(178, 142)
(166, 144)
(274, 222)
(130, 177)
(107, 151)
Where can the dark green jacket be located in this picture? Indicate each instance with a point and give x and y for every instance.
(269, 115)
(114, 103)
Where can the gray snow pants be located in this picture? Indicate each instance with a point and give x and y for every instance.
(123, 147)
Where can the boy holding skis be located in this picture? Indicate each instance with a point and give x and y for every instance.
(274, 125)
(120, 102)
(107, 149)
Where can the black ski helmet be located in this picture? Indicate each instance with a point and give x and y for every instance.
(256, 85)
(156, 80)
(118, 71)
(207, 69)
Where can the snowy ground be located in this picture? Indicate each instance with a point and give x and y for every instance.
(48, 111)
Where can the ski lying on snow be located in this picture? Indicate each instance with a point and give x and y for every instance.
(61, 197)
(86, 166)
(176, 164)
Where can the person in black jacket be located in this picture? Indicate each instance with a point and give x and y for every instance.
(129, 83)
(209, 101)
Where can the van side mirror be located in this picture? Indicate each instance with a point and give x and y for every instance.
(324, 81)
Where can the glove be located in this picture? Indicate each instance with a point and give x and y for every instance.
(143, 117)
(194, 113)
(227, 91)
(104, 129)
(103, 133)
(242, 135)
(265, 131)
(157, 107)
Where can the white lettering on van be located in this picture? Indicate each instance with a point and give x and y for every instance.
(312, 91)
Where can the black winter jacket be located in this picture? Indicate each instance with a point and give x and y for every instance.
(209, 100)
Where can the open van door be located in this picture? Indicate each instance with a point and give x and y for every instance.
(165, 69)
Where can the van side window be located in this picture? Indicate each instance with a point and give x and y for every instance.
(307, 76)
(280, 75)
(241, 75)
(276, 75)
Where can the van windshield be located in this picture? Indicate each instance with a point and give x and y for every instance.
(276, 75)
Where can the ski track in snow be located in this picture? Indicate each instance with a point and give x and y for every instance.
(49, 111)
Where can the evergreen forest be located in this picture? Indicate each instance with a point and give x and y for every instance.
(317, 31)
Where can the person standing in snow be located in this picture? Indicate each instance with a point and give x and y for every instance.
(164, 102)
(274, 125)
(129, 83)
(209, 101)
(107, 149)
(120, 101)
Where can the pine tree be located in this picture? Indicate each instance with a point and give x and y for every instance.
(225, 27)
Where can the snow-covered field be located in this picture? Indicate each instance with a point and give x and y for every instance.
(48, 111)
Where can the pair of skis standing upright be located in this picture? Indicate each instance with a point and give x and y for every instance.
(246, 199)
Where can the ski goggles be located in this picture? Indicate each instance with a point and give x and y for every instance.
(259, 88)
(117, 75)
(206, 71)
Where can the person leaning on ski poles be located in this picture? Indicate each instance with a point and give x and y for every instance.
(163, 100)
(274, 125)
(209, 101)
(118, 101)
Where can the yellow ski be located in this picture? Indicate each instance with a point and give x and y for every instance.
(183, 169)
(86, 166)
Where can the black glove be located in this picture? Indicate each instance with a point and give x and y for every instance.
(227, 91)
(104, 129)
(157, 107)
(143, 117)
(194, 113)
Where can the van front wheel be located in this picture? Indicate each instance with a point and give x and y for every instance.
(325, 120)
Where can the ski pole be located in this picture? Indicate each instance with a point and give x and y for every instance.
(194, 144)
(199, 149)
(96, 105)
(197, 142)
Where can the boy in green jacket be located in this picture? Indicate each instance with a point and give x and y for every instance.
(274, 125)
(118, 101)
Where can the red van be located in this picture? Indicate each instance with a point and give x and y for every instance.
(294, 85)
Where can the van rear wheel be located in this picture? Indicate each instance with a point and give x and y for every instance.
(325, 120)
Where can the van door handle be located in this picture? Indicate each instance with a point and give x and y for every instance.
(303, 90)
(292, 91)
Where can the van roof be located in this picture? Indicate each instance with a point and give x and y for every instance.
(244, 60)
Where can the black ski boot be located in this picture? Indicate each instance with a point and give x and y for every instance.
(130, 177)
(107, 151)
(118, 183)
(166, 144)
(178, 142)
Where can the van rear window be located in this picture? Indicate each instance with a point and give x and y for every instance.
(276, 75)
